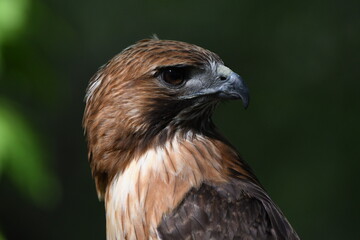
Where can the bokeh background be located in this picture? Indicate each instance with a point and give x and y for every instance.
(301, 60)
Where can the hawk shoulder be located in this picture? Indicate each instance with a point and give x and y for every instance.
(234, 210)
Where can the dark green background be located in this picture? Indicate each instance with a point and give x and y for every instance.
(300, 133)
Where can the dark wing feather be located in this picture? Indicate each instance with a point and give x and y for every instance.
(236, 210)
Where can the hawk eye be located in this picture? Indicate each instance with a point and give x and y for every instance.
(174, 75)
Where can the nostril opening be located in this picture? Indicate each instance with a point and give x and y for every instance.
(223, 78)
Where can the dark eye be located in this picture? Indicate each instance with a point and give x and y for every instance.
(174, 76)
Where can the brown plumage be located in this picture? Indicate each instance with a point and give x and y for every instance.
(157, 159)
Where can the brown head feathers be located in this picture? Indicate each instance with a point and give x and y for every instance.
(129, 108)
(156, 155)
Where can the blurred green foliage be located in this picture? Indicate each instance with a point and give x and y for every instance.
(22, 155)
(12, 19)
(300, 132)
(12, 16)
(22, 158)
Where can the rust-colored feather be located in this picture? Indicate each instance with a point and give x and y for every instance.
(119, 96)
(148, 145)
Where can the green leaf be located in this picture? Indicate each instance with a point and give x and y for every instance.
(22, 158)
(12, 16)
(12, 20)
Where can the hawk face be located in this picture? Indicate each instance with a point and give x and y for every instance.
(196, 88)
(156, 157)
(148, 92)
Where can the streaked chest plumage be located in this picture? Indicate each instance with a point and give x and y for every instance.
(156, 182)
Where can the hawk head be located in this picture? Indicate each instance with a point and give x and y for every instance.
(148, 92)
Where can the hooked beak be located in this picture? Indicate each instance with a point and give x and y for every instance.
(226, 84)
(233, 87)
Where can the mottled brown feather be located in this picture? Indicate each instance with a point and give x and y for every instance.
(110, 119)
(147, 149)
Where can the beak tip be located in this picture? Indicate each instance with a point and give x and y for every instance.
(244, 95)
(241, 89)
(245, 102)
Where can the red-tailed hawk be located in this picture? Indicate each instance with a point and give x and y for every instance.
(158, 161)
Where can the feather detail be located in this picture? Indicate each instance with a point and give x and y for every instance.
(157, 159)
(141, 192)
